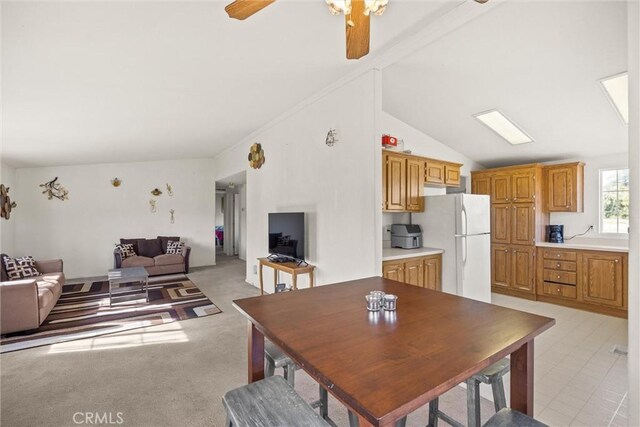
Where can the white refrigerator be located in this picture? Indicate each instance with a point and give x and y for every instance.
(460, 224)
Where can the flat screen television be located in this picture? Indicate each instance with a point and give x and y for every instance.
(286, 235)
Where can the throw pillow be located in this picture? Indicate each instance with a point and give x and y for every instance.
(164, 240)
(127, 250)
(134, 242)
(174, 247)
(20, 268)
(149, 248)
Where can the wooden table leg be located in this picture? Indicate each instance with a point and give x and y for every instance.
(294, 280)
(275, 278)
(311, 279)
(522, 379)
(261, 280)
(256, 354)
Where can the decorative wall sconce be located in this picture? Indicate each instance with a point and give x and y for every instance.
(54, 189)
(256, 156)
(5, 202)
(332, 137)
(116, 182)
(172, 217)
(156, 192)
(152, 206)
(169, 190)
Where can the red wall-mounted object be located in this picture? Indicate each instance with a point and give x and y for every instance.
(389, 140)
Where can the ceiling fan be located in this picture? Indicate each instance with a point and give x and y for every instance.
(357, 15)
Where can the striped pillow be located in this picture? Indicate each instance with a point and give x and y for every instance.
(174, 247)
(126, 249)
(20, 268)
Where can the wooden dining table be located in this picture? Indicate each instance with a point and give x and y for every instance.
(384, 365)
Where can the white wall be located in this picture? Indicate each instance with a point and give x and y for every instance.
(7, 227)
(576, 223)
(83, 230)
(335, 186)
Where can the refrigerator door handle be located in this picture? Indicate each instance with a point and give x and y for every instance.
(464, 252)
(464, 224)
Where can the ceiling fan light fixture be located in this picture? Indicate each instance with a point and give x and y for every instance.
(336, 7)
(377, 7)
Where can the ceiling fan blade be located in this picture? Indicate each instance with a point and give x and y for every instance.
(357, 24)
(242, 9)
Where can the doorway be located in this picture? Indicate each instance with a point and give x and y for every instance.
(230, 217)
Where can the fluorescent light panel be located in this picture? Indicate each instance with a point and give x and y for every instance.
(500, 124)
(617, 89)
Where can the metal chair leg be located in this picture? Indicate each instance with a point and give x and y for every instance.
(401, 422)
(290, 374)
(324, 403)
(499, 400)
(353, 419)
(433, 413)
(473, 403)
(270, 368)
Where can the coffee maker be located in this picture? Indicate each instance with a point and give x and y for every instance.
(555, 233)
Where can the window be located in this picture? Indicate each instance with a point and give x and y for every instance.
(614, 201)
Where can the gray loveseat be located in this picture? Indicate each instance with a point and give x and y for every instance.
(152, 254)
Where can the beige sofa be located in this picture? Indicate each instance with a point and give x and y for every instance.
(25, 303)
(152, 256)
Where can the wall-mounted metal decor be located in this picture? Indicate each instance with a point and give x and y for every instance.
(332, 137)
(54, 189)
(256, 156)
(152, 206)
(116, 182)
(156, 192)
(172, 216)
(169, 190)
(5, 202)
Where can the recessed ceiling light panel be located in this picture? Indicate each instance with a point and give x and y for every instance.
(617, 90)
(504, 127)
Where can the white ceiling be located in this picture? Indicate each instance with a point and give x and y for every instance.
(537, 62)
(96, 82)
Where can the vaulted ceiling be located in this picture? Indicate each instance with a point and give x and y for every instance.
(93, 82)
(538, 62)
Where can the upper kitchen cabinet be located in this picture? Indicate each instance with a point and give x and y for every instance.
(402, 183)
(564, 187)
(481, 183)
(404, 177)
(439, 173)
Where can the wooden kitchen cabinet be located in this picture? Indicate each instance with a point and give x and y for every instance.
(523, 229)
(452, 174)
(394, 182)
(424, 271)
(603, 279)
(523, 268)
(501, 188)
(500, 266)
(433, 272)
(590, 280)
(523, 186)
(564, 187)
(393, 270)
(501, 223)
(480, 183)
(415, 185)
(413, 272)
(434, 172)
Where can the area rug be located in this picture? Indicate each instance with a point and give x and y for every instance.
(83, 312)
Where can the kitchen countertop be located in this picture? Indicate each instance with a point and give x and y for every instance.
(390, 254)
(608, 246)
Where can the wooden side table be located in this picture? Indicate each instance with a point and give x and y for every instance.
(287, 267)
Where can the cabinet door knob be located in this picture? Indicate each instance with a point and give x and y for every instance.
(558, 255)
(558, 276)
(506, 250)
(515, 199)
(616, 260)
(559, 290)
(558, 265)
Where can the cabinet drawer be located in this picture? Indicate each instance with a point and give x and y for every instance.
(560, 276)
(560, 255)
(555, 289)
(560, 265)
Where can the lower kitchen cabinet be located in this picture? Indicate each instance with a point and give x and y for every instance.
(590, 280)
(424, 272)
(513, 269)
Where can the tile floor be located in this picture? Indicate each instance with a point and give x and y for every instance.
(579, 381)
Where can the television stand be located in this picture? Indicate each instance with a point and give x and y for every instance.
(291, 267)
